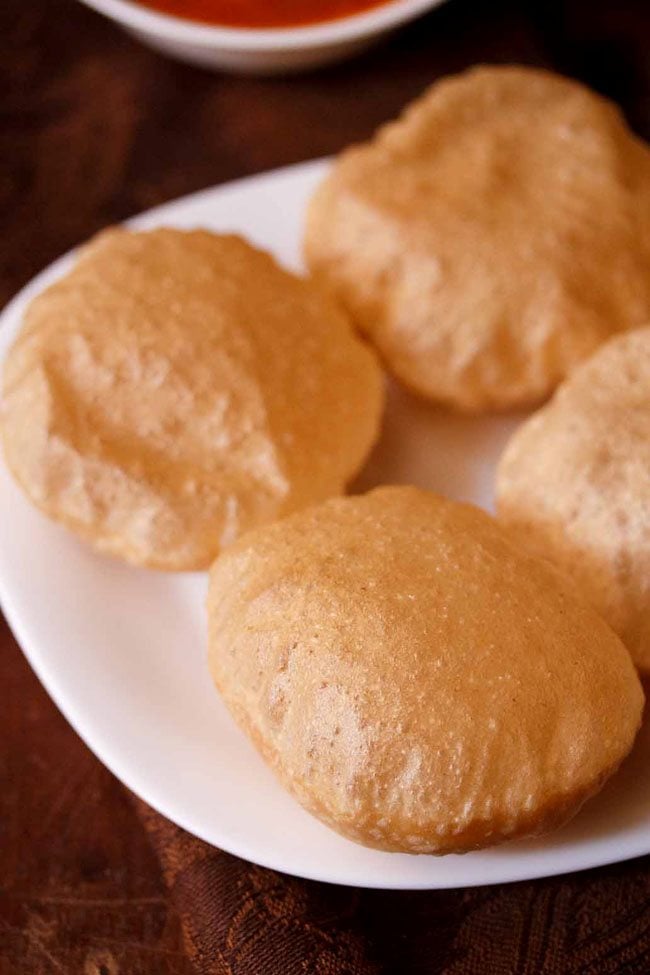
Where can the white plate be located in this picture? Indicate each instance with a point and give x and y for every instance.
(122, 651)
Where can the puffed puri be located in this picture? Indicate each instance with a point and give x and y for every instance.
(574, 484)
(174, 389)
(415, 680)
(490, 238)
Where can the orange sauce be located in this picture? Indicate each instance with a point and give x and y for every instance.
(261, 13)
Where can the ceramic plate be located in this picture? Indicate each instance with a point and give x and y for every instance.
(122, 651)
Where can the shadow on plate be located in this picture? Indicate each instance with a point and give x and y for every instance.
(435, 448)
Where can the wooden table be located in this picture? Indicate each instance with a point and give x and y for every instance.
(95, 128)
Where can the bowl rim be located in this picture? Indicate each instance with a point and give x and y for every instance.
(390, 13)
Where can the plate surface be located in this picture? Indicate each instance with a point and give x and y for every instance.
(122, 651)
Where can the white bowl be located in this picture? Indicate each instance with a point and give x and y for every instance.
(267, 51)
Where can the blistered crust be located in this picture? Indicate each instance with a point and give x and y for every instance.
(574, 482)
(413, 679)
(174, 389)
(490, 238)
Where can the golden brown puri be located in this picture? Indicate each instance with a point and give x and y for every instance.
(175, 389)
(574, 482)
(413, 678)
(488, 239)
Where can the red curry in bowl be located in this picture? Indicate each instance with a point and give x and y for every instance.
(261, 13)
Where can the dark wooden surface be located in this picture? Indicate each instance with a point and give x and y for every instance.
(94, 128)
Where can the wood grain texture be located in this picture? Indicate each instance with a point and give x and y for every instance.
(94, 128)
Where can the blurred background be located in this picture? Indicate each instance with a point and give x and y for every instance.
(96, 127)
